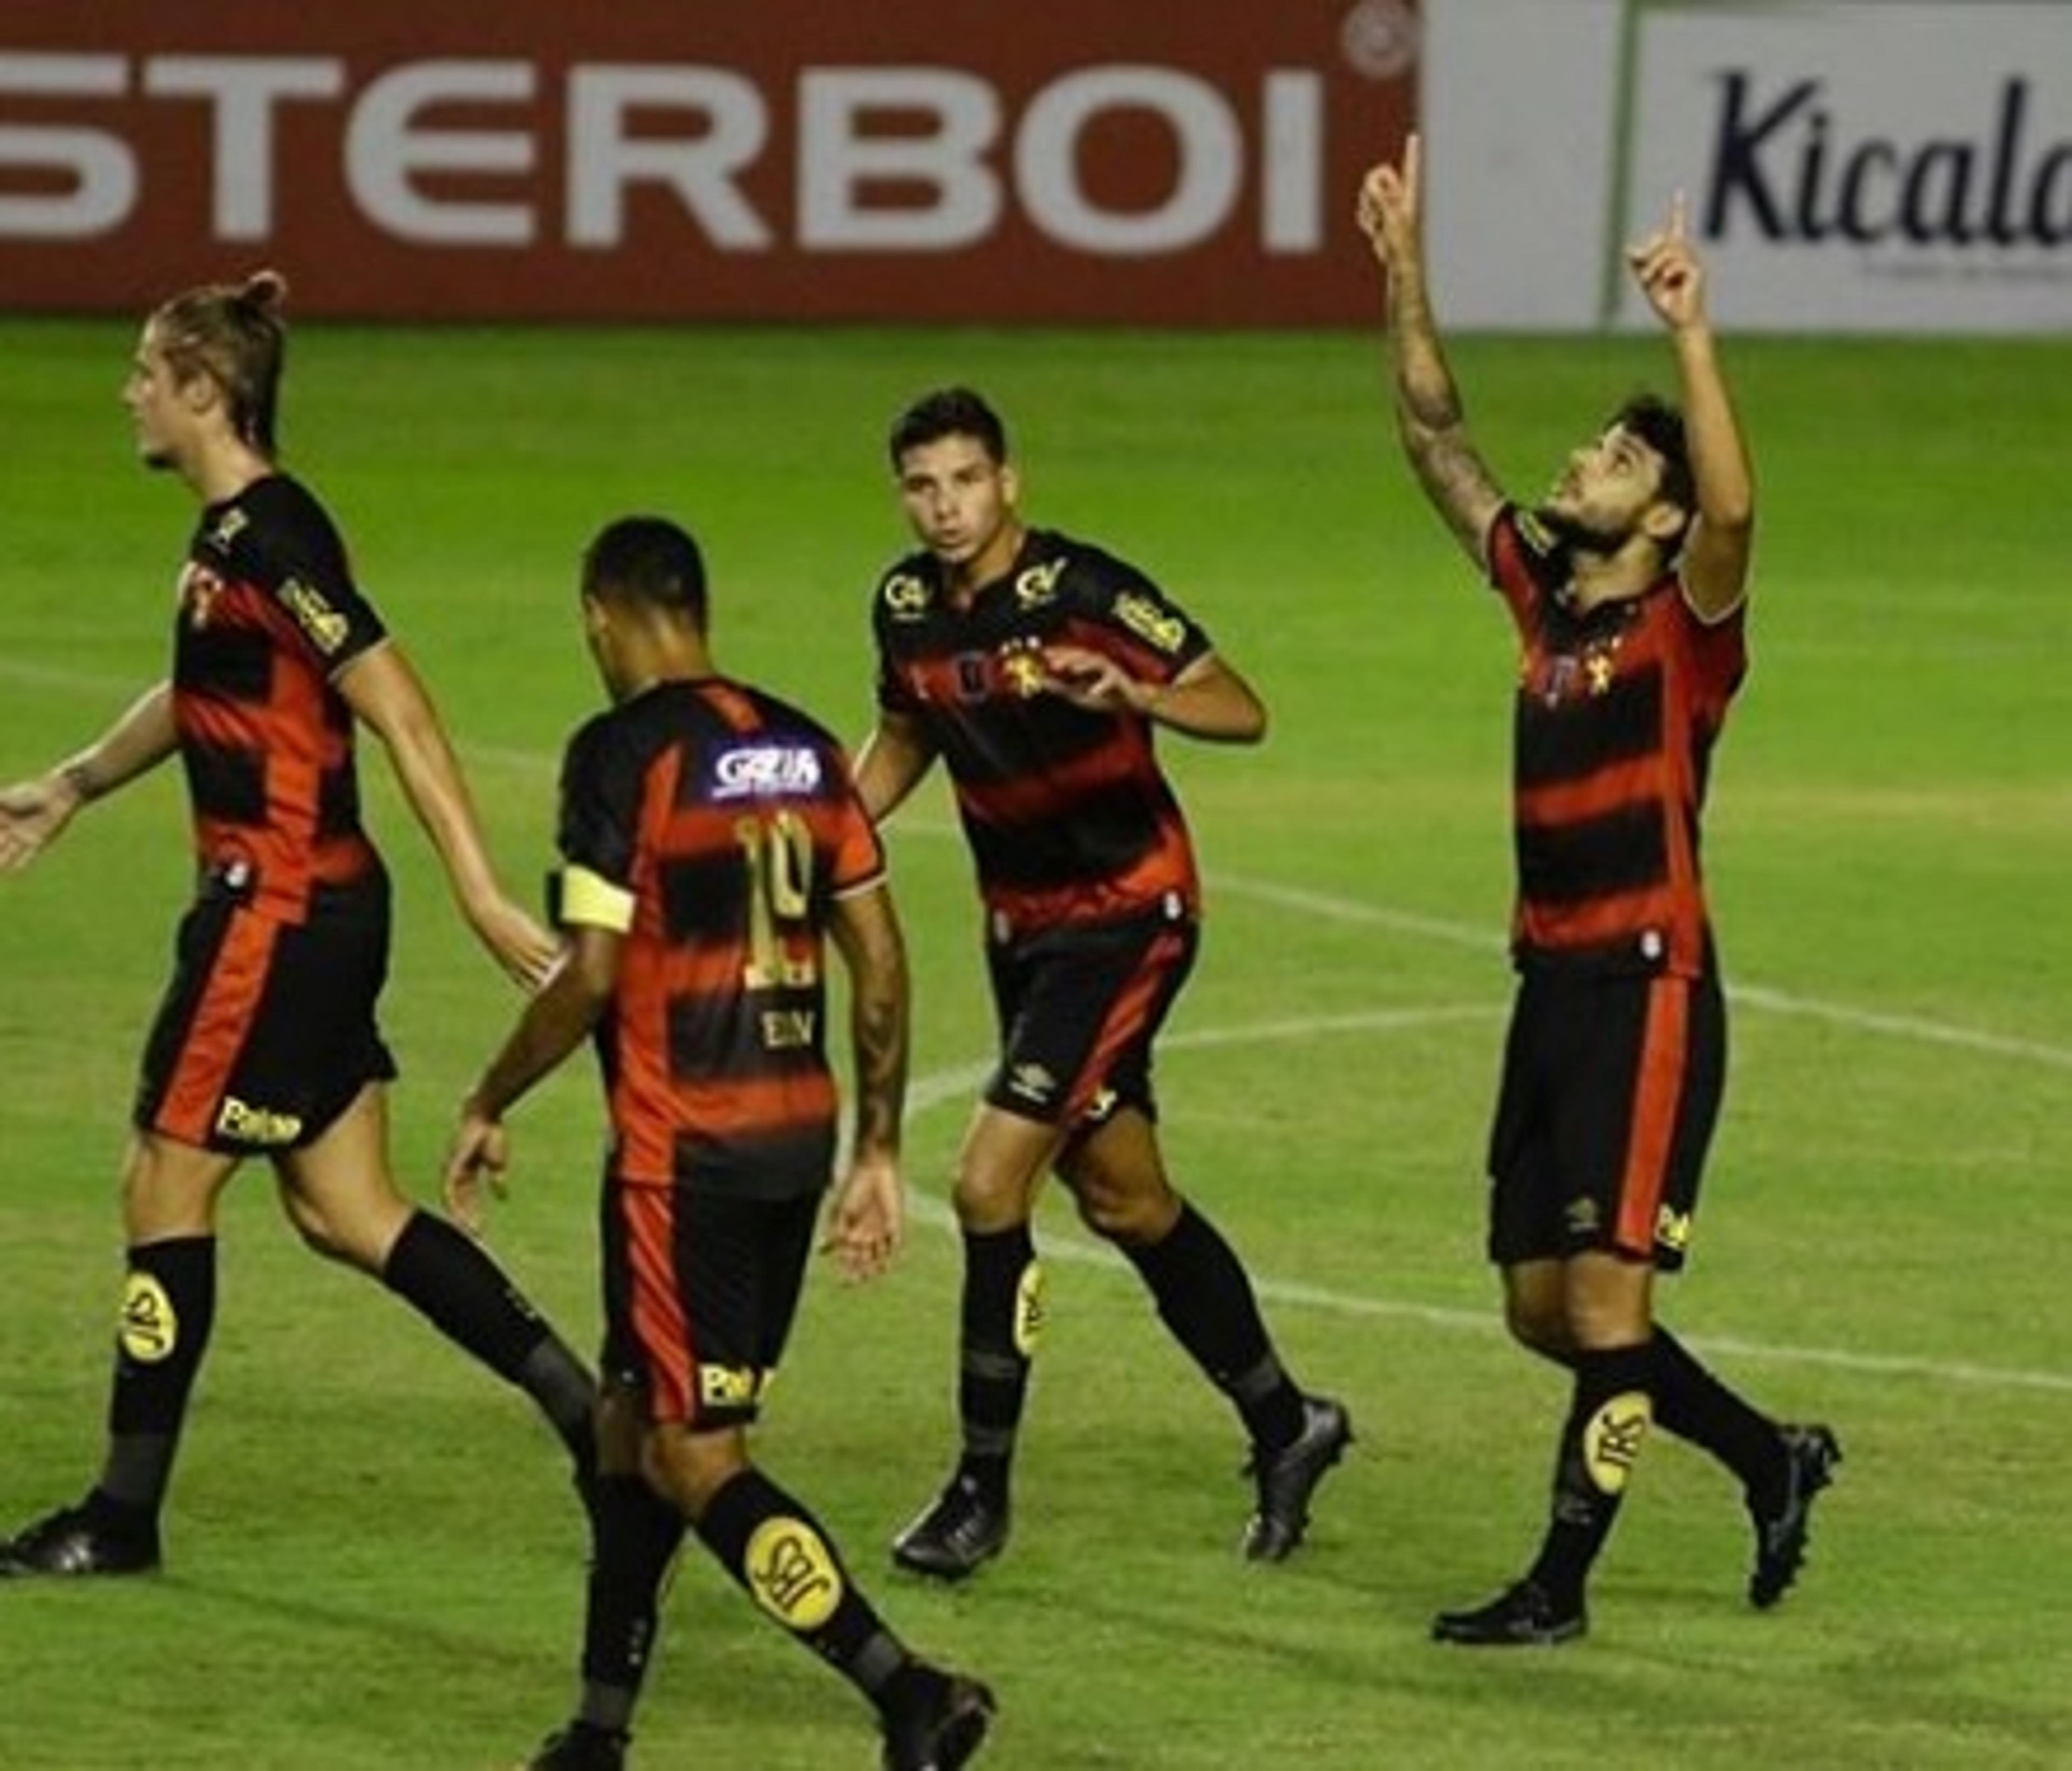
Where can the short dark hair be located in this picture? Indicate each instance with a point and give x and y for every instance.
(948, 411)
(647, 559)
(1660, 425)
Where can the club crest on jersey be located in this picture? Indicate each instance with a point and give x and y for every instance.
(764, 771)
(200, 588)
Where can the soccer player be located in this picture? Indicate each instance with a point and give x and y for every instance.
(265, 1044)
(1037, 669)
(1628, 587)
(711, 843)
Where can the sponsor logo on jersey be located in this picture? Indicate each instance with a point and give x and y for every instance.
(792, 1574)
(327, 629)
(1613, 1438)
(764, 771)
(1150, 621)
(250, 1124)
(906, 596)
(1038, 585)
(149, 1328)
(228, 527)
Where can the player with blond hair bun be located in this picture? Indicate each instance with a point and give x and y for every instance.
(266, 1043)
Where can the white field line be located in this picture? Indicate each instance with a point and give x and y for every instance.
(931, 1092)
(961, 1083)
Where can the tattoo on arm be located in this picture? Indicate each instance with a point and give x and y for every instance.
(1456, 479)
(79, 779)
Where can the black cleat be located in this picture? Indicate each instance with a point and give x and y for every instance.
(73, 1541)
(960, 1530)
(943, 1728)
(1288, 1477)
(1524, 1616)
(581, 1746)
(1810, 1454)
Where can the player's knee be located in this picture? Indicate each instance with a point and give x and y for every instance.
(988, 1199)
(1538, 1329)
(1113, 1206)
(691, 1468)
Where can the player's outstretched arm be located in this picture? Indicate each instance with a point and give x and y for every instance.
(33, 814)
(865, 1216)
(383, 690)
(1715, 557)
(1428, 413)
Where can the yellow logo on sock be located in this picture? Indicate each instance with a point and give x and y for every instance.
(792, 1575)
(1613, 1438)
(1030, 1313)
(149, 1328)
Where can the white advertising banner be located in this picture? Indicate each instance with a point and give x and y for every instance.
(1856, 165)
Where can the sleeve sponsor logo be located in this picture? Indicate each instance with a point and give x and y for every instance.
(326, 628)
(766, 771)
(1151, 621)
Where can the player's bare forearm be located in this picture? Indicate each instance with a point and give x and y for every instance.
(891, 765)
(34, 813)
(867, 934)
(1715, 567)
(1432, 420)
(554, 1022)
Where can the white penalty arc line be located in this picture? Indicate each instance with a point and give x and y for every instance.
(959, 1082)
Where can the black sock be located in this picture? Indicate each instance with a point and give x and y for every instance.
(1002, 1317)
(168, 1309)
(635, 1534)
(1692, 1403)
(459, 1289)
(1609, 1413)
(1207, 1301)
(776, 1550)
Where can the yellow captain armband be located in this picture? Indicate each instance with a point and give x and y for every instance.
(588, 900)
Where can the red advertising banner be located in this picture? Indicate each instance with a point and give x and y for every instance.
(1152, 161)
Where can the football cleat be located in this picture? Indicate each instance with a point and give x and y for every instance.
(1810, 1454)
(1523, 1615)
(960, 1530)
(943, 1728)
(1288, 1477)
(75, 1541)
(581, 1746)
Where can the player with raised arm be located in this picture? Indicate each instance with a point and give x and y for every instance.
(1627, 584)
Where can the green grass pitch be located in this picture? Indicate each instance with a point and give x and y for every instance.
(374, 1558)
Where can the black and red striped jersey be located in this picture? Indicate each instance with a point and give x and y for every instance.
(713, 826)
(1617, 713)
(269, 614)
(1069, 818)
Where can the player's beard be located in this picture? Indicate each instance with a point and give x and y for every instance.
(1573, 535)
